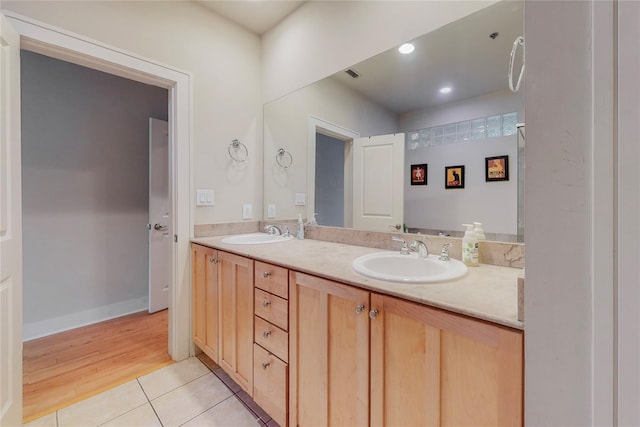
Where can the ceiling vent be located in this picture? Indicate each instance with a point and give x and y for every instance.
(352, 73)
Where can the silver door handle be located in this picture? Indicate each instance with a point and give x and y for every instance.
(159, 227)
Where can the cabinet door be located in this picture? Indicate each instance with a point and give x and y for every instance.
(328, 353)
(434, 368)
(235, 279)
(205, 300)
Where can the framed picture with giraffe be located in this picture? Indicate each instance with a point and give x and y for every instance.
(454, 177)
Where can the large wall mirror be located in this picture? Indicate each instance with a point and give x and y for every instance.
(476, 123)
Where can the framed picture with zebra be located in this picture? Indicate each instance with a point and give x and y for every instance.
(454, 177)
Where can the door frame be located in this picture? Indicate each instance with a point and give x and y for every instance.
(318, 125)
(61, 44)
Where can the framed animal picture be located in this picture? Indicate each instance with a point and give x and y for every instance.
(454, 177)
(496, 168)
(419, 174)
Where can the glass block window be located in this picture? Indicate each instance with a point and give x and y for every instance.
(509, 123)
(476, 129)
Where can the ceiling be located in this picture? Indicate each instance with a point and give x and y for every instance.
(257, 16)
(460, 55)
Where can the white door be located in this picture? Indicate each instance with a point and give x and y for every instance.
(378, 186)
(10, 229)
(159, 219)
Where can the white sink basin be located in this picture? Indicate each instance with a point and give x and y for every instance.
(255, 239)
(395, 267)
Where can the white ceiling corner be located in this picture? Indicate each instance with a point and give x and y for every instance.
(257, 16)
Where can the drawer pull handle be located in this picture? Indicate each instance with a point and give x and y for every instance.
(266, 303)
(266, 334)
(266, 274)
(213, 260)
(359, 308)
(265, 365)
(373, 313)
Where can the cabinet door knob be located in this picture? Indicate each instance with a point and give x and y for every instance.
(213, 260)
(373, 313)
(266, 334)
(265, 365)
(266, 303)
(266, 274)
(359, 308)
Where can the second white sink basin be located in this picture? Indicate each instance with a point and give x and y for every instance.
(395, 267)
(255, 239)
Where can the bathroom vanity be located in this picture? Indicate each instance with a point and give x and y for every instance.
(315, 343)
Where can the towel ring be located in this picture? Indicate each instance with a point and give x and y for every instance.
(238, 151)
(518, 42)
(284, 158)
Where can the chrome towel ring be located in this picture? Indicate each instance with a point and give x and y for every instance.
(518, 42)
(238, 151)
(284, 158)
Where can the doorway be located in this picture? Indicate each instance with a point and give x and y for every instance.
(334, 143)
(87, 151)
(62, 44)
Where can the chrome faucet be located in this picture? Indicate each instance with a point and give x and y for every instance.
(273, 230)
(444, 253)
(420, 247)
(404, 250)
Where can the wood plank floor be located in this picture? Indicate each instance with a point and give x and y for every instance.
(65, 368)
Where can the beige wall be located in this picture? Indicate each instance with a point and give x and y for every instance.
(323, 37)
(224, 60)
(286, 125)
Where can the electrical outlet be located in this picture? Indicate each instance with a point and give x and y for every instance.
(271, 211)
(300, 199)
(246, 211)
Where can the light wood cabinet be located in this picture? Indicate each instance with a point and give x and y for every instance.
(235, 281)
(271, 350)
(205, 299)
(328, 353)
(428, 367)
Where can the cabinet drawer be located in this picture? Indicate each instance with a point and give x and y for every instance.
(272, 338)
(270, 380)
(272, 308)
(272, 279)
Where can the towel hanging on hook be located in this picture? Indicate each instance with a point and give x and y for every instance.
(518, 42)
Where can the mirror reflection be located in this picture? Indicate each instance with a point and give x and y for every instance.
(446, 104)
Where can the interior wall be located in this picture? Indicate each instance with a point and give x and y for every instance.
(322, 37)
(329, 203)
(286, 125)
(224, 60)
(492, 203)
(85, 175)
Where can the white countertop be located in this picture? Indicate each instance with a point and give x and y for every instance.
(486, 292)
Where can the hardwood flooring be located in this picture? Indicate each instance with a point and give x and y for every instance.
(64, 368)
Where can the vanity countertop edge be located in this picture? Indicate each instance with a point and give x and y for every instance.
(486, 292)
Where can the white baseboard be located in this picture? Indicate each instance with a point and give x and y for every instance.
(47, 327)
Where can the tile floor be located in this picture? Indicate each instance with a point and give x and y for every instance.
(183, 394)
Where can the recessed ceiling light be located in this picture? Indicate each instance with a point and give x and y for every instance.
(406, 48)
(445, 90)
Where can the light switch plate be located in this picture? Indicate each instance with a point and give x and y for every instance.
(205, 198)
(300, 199)
(271, 210)
(246, 211)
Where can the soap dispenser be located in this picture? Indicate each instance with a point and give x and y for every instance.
(470, 246)
(300, 231)
(479, 231)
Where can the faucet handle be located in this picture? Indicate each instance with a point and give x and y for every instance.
(404, 250)
(444, 253)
